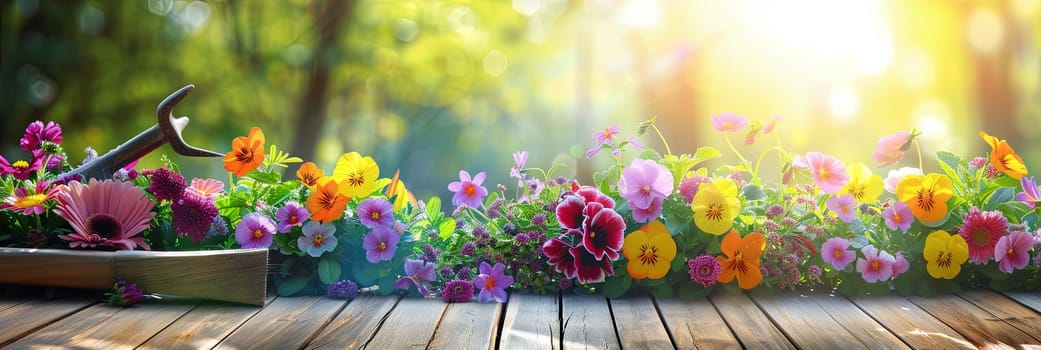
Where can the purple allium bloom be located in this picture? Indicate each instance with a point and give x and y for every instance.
(166, 184)
(458, 291)
(774, 211)
(376, 211)
(788, 222)
(539, 220)
(124, 294)
(255, 231)
(36, 133)
(468, 249)
(898, 216)
(430, 253)
(344, 289)
(1013, 251)
(875, 266)
(520, 158)
(291, 215)
(380, 244)
(193, 215)
(834, 252)
(468, 191)
(463, 273)
(816, 272)
(704, 269)
(521, 238)
(445, 272)
(900, 265)
(1031, 194)
(219, 227)
(643, 181)
(492, 282)
(417, 272)
(318, 238)
(689, 186)
(494, 210)
(843, 205)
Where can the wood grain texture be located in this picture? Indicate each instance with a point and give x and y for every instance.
(1028, 299)
(468, 326)
(975, 324)
(859, 324)
(912, 324)
(749, 324)
(587, 322)
(531, 322)
(410, 325)
(356, 324)
(1019, 316)
(287, 323)
(10, 302)
(638, 323)
(21, 319)
(203, 327)
(106, 327)
(806, 323)
(696, 324)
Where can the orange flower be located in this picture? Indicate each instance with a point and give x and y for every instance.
(309, 174)
(1003, 158)
(742, 259)
(926, 195)
(246, 153)
(326, 203)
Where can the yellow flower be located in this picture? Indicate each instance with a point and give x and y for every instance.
(926, 195)
(944, 254)
(862, 185)
(1003, 158)
(401, 195)
(650, 251)
(357, 175)
(715, 206)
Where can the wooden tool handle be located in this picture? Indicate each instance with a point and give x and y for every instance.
(57, 267)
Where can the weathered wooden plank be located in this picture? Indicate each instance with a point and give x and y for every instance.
(1019, 316)
(749, 324)
(356, 324)
(975, 324)
(106, 327)
(7, 303)
(696, 324)
(912, 324)
(806, 323)
(638, 323)
(531, 322)
(587, 322)
(1028, 299)
(20, 319)
(286, 323)
(468, 326)
(204, 326)
(860, 325)
(410, 325)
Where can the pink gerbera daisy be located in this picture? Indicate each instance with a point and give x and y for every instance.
(106, 213)
(981, 231)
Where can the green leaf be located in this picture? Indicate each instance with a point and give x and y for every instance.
(386, 285)
(662, 291)
(272, 178)
(753, 192)
(433, 209)
(650, 154)
(446, 228)
(952, 160)
(328, 270)
(615, 287)
(1000, 195)
(293, 286)
(691, 291)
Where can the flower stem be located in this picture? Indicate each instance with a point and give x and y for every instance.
(662, 137)
(726, 136)
(918, 148)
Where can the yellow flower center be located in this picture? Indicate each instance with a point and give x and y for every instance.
(647, 189)
(925, 199)
(715, 212)
(608, 133)
(293, 219)
(838, 253)
(648, 255)
(857, 192)
(470, 189)
(875, 265)
(383, 246)
(897, 218)
(824, 175)
(375, 215)
(21, 164)
(945, 259)
(356, 179)
(1010, 252)
(257, 233)
(30, 201)
(318, 239)
(728, 125)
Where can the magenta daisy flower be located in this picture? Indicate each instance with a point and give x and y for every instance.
(643, 181)
(898, 216)
(29, 202)
(981, 230)
(875, 266)
(376, 211)
(1031, 194)
(559, 256)
(419, 273)
(166, 184)
(380, 244)
(255, 231)
(104, 213)
(318, 238)
(193, 215)
(468, 191)
(589, 269)
(458, 291)
(845, 206)
(20, 169)
(37, 132)
(834, 251)
(291, 215)
(728, 122)
(1012, 252)
(704, 269)
(492, 282)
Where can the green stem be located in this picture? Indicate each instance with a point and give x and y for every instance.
(726, 136)
(758, 162)
(662, 137)
(918, 148)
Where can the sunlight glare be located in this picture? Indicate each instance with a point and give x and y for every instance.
(843, 102)
(639, 13)
(986, 32)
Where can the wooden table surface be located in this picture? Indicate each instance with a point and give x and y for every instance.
(725, 320)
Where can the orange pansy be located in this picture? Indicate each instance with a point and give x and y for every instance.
(926, 195)
(742, 259)
(309, 174)
(247, 153)
(1003, 158)
(326, 203)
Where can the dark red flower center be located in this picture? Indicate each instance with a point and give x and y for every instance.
(104, 225)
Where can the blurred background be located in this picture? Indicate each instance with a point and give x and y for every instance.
(433, 86)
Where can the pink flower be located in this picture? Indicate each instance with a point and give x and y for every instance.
(493, 282)
(37, 132)
(559, 256)
(728, 122)
(769, 127)
(845, 206)
(291, 215)
(380, 244)
(603, 233)
(900, 265)
(255, 231)
(520, 158)
(318, 238)
(643, 182)
(589, 269)
(30, 202)
(468, 191)
(875, 266)
(1012, 252)
(981, 230)
(828, 173)
(898, 216)
(652, 212)
(889, 149)
(603, 137)
(834, 251)
(689, 186)
(895, 176)
(376, 211)
(206, 187)
(107, 213)
(1031, 194)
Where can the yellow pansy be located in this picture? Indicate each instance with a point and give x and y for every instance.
(1003, 158)
(356, 174)
(715, 206)
(862, 185)
(944, 254)
(650, 251)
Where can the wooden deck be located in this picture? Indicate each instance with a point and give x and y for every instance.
(726, 320)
